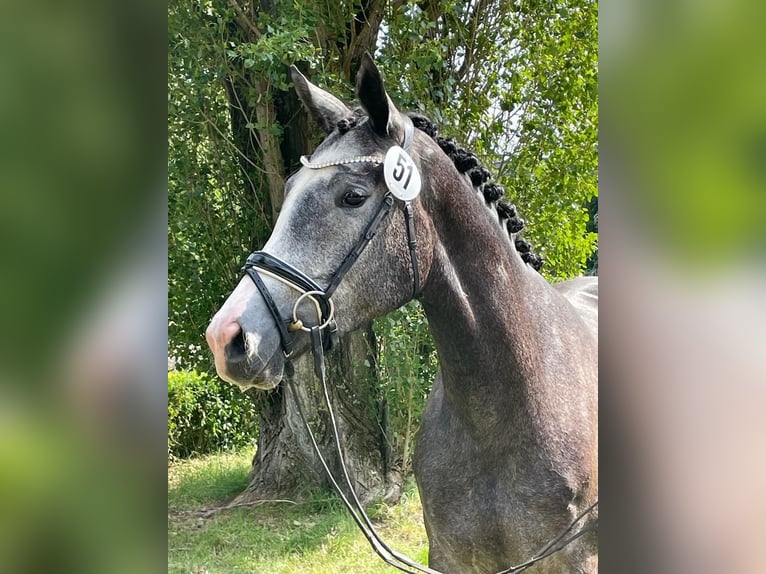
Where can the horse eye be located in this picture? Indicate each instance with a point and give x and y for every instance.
(353, 198)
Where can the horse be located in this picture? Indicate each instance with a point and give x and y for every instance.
(506, 455)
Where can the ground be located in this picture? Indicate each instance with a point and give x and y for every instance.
(313, 536)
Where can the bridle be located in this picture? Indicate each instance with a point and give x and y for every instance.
(262, 263)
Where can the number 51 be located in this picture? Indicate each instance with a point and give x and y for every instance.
(403, 165)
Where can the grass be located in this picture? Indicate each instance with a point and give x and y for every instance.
(315, 536)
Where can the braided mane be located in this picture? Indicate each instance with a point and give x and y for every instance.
(494, 194)
(468, 163)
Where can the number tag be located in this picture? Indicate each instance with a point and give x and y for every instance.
(402, 176)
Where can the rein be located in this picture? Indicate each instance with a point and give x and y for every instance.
(260, 262)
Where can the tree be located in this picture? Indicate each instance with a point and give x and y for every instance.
(516, 81)
(235, 123)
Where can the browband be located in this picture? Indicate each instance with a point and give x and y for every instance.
(306, 161)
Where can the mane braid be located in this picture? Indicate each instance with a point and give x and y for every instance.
(494, 194)
(467, 163)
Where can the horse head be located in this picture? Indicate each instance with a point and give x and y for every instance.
(319, 267)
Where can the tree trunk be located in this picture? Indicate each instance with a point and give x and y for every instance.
(273, 169)
(285, 464)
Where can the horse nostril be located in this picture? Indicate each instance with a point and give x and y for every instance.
(236, 349)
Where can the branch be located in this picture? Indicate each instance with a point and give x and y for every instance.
(368, 20)
(470, 45)
(243, 20)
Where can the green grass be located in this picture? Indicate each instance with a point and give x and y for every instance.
(315, 536)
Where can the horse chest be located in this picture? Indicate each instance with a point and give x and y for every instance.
(483, 509)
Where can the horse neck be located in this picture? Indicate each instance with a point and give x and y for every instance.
(493, 319)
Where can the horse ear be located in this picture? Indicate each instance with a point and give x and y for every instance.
(384, 117)
(326, 109)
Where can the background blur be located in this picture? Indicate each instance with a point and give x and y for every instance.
(683, 233)
(83, 288)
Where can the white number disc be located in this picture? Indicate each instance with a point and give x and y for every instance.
(402, 176)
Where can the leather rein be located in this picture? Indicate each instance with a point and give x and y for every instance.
(262, 263)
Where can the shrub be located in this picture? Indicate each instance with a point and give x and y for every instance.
(407, 366)
(207, 415)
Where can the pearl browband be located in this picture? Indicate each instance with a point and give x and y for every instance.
(306, 161)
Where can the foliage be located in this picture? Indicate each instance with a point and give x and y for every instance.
(554, 167)
(407, 365)
(209, 208)
(315, 535)
(206, 415)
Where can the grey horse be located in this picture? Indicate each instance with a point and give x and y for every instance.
(506, 455)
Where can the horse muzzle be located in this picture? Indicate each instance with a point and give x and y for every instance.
(243, 355)
(240, 360)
